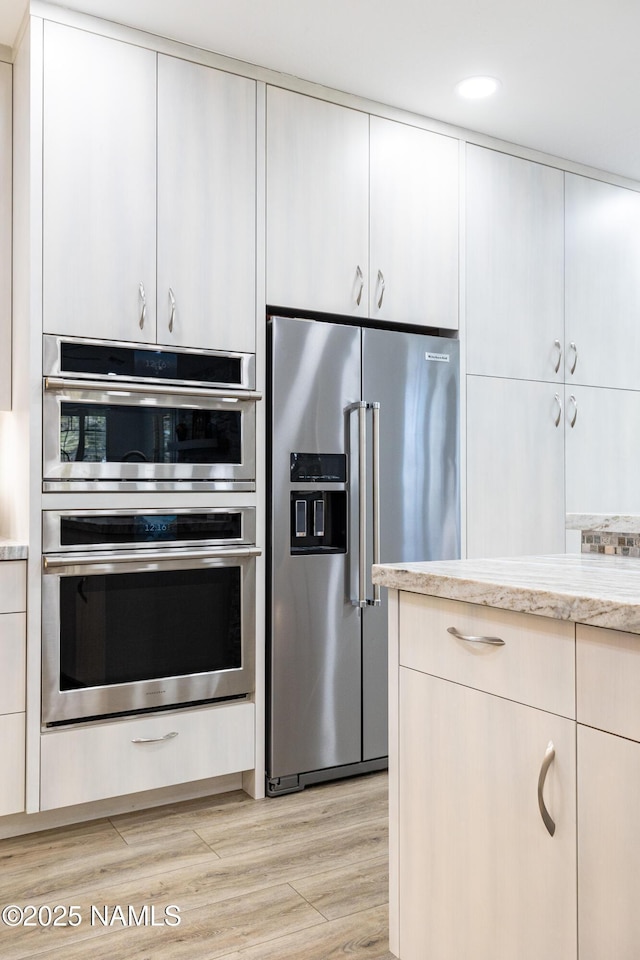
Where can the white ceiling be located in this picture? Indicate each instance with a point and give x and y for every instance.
(570, 69)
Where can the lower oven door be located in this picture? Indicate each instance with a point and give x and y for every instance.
(135, 631)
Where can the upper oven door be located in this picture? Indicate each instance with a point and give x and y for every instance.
(104, 434)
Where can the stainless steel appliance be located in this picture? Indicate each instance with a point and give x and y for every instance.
(363, 466)
(146, 609)
(121, 416)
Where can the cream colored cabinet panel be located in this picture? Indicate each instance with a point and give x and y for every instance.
(6, 132)
(12, 662)
(608, 671)
(480, 875)
(608, 844)
(602, 451)
(12, 753)
(13, 586)
(514, 267)
(414, 225)
(125, 756)
(534, 665)
(602, 284)
(317, 204)
(99, 201)
(515, 468)
(206, 207)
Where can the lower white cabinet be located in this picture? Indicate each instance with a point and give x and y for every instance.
(12, 685)
(101, 760)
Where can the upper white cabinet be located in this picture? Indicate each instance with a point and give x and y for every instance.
(414, 225)
(362, 214)
(99, 204)
(514, 267)
(602, 284)
(317, 204)
(206, 207)
(5, 234)
(103, 150)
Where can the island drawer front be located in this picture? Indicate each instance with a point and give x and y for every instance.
(535, 665)
(608, 680)
(82, 764)
(13, 586)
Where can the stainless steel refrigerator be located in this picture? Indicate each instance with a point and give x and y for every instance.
(363, 466)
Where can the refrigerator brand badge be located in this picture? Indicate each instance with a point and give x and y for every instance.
(438, 357)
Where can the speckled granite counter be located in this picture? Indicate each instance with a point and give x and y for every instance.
(12, 550)
(603, 591)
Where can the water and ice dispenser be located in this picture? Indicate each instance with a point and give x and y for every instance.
(318, 516)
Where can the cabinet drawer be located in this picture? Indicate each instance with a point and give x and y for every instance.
(535, 665)
(13, 586)
(12, 662)
(608, 680)
(93, 762)
(12, 752)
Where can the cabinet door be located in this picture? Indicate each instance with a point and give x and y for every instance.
(206, 207)
(514, 267)
(99, 213)
(480, 875)
(602, 283)
(414, 225)
(608, 843)
(317, 204)
(602, 451)
(5, 236)
(515, 468)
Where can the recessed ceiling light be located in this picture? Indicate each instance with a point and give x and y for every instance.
(474, 88)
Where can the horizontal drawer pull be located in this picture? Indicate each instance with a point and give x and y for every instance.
(491, 641)
(167, 736)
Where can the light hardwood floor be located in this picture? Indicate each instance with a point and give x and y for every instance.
(299, 877)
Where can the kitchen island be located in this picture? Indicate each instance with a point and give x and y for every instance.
(514, 757)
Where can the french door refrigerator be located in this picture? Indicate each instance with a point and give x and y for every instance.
(363, 467)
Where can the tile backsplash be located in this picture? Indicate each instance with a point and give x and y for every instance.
(615, 544)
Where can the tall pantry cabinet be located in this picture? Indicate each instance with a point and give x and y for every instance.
(5, 233)
(156, 156)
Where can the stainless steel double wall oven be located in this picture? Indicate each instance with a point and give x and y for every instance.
(150, 604)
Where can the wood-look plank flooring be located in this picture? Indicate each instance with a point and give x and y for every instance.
(299, 877)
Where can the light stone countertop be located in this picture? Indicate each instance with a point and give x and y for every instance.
(603, 591)
(13, 550)
(604, 522)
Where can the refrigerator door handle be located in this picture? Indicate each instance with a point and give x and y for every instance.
(375, 414)
(358, 571)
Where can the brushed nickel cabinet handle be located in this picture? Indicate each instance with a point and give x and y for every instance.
(574, 350)
(558, 346)
(491, 641)
(573, 400)
(167, 736)
(559, 403)
(173, 309)
(143, 300)
(549, 757)
(381, 287)
(360, 278)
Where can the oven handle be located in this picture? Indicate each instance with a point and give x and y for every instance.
(145, 556)
(161, 389)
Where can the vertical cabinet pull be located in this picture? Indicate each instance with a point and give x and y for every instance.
(381, 287)
(574, 350)
(143, 301)
(558, 347)
(172, 314)
(559, 405)
(360, 282)
(549, 757)
(574, 402)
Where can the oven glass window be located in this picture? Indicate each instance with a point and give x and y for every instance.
(124, 627)
(141, 434)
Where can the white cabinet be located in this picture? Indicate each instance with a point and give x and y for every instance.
(99, 200)
(5, 234)
(108, 159)
(12, 685)
(206, 207)
(480, 874)
(514, 266)
(414, 225)
(317, 204)
(515, 467)
(602, 284)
